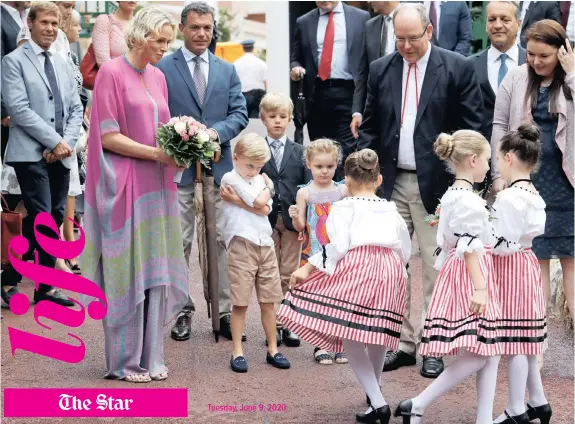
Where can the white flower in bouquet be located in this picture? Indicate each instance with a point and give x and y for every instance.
(203, 137)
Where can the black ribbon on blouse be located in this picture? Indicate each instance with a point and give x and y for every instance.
(501, 240)
(323, 255)
(472, 237)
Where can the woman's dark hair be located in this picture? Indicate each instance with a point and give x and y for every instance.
(524, 142)
(362, 166)
(549, 32)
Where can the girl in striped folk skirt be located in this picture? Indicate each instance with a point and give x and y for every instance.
(519, 217)
(353, 293)
(463, 310)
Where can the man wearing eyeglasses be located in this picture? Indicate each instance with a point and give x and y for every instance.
(414, 94)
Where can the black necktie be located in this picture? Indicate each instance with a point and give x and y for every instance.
(383, 43)
(59, 110)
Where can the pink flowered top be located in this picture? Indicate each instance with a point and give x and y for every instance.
(108, 38)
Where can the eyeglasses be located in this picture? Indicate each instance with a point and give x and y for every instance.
(401, 40)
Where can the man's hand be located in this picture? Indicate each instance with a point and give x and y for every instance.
(49, 157)
(296, 73)
(6, 122)
(498, 185)
(228, 194)
(62, 150)
(355, 123)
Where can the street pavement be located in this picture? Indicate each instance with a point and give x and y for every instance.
(308, 393)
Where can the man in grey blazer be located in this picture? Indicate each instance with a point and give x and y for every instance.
(326, 51)
(43, 129)
(208, 89)
(378, 40)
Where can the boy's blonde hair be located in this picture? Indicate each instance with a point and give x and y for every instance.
(253, 146)
(276, 101)
(454, 148)
(323, 145)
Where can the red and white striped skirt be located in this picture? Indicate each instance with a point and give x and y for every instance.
(523, 321)
(449, 324)
(364, 300)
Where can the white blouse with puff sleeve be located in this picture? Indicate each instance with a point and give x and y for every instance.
(357, 221)
(463, 225)
(518, 217)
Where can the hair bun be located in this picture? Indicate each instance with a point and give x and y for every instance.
(443, 146)
(367, 159)
(529, 132)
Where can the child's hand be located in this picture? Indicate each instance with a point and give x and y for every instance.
(478, 302)
(293, 211)
(228, 194)
(299, 276)
(269, 182)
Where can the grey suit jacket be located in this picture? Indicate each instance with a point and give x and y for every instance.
(10, 30)
(304, 46)
(369, 53)
(29, 100)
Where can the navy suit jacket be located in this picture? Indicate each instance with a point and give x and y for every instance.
(479, 61)
(304, 46)
(455, 27)
(537, 11)
(10, 30)
(450, 100)
(224, 107)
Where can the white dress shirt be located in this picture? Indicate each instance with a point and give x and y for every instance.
(252, 72)
(406, 155)
(39, 52)
(437, 5)
(494, 63)
(340, 60)
(242, 223)
(282, 141)
(390, 41)
(20, 19)
(571, 23)
(204, 63)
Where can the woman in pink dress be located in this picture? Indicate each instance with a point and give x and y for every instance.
(108, 34)
(131, 219)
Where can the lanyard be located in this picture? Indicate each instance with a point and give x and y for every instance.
(407, 89)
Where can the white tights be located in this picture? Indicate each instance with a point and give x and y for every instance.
(522, 371)
(465, 366)
(367, 367)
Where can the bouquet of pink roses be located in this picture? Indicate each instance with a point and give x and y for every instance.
(187, 141)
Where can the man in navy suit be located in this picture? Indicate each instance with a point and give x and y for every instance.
(492, 64)
(326, 50)
(451, 22)
(208, 89)
(535, 11)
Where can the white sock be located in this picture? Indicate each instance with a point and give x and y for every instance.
(466, 365)
(486, 384)
(534, 383)
(376, 355)
(363, 369)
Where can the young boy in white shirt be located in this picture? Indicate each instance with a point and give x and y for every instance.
(250, 247)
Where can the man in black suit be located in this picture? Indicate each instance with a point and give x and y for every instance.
(13, 18)
(451, 22)
(495, 62)
(413, 95)
(377, 42)
(326, 51)
(535, 11)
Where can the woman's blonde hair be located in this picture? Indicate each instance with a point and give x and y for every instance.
(323, 145)
(147, 20)
(272, 102)
(454, 148)
(253, 146)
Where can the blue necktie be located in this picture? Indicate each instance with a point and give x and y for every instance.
(51, 75)
(502, 68)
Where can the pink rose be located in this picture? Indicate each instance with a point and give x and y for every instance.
(192, 131)
(185, 137)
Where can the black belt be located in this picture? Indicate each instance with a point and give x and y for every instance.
(409, 171)
(333, 83)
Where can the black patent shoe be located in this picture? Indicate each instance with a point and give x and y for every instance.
(380, 415)
(516, 419)
(278, 337)
(226, 329)
(543, 413)
(398, 359)
(404, 410)
(289, 338)
(183, 328)
(7, 295)
(432, 367)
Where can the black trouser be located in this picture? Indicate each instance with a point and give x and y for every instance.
(253, 100)
(330, 115)
(44, 188)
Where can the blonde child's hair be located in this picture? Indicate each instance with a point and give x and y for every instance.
(253, 146)
(323, 145)
(362, 166)
(273, 102)
(454, 148)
